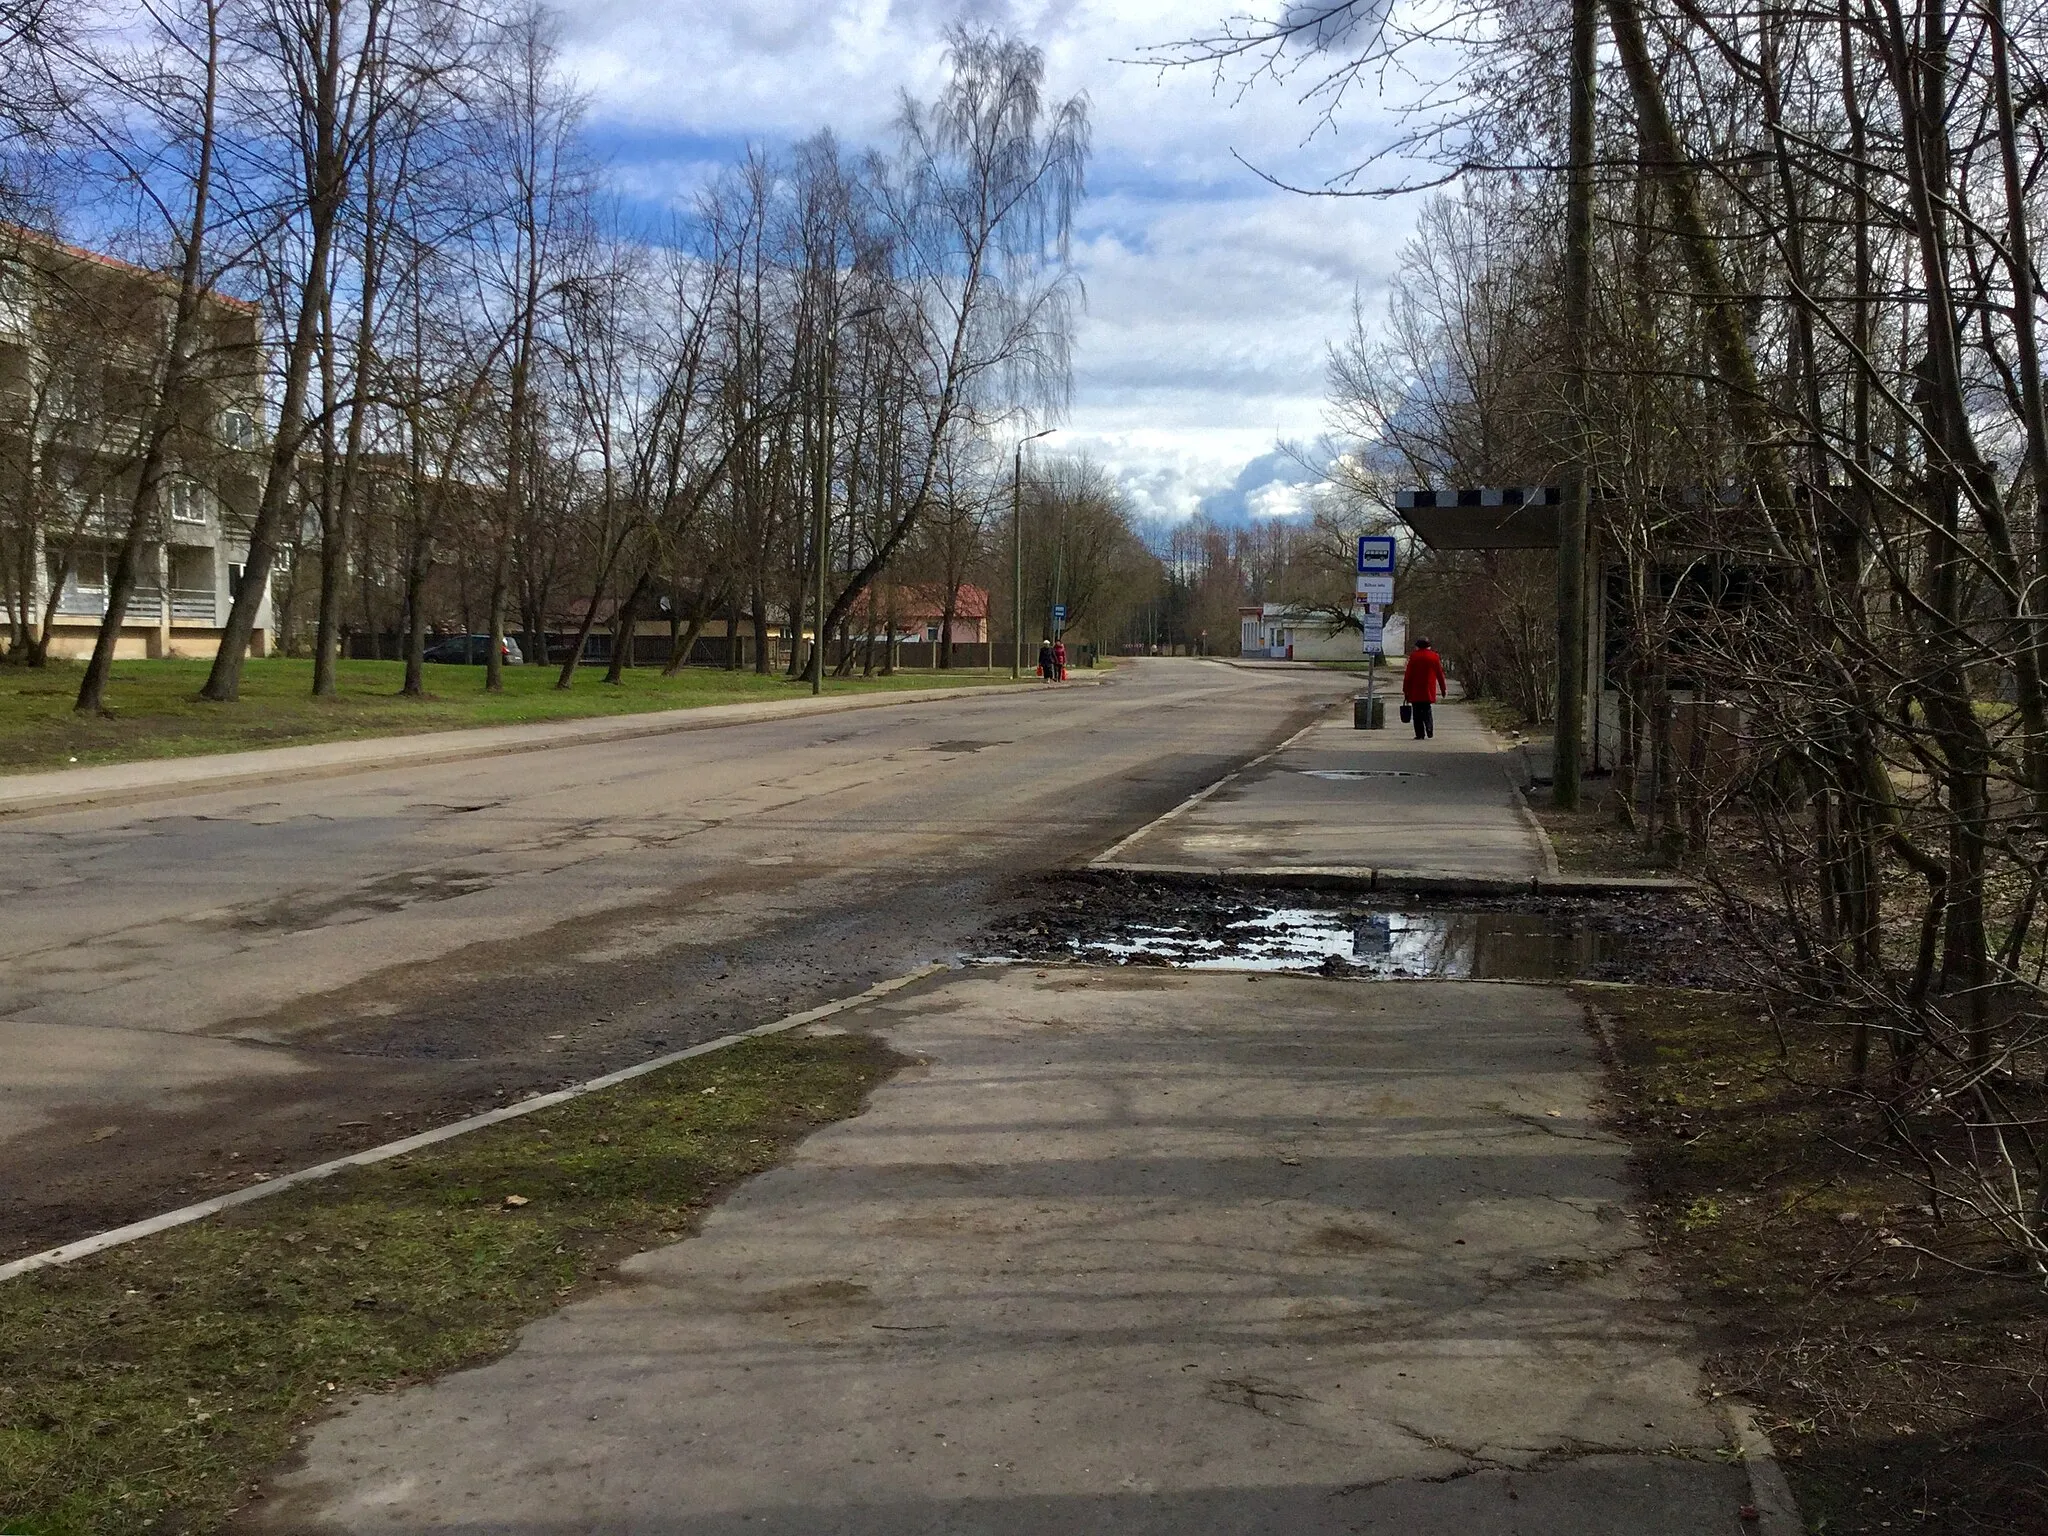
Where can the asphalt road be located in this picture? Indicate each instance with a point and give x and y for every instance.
(200, 990)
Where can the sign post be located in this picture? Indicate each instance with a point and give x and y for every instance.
(1375, 595)
(1059, 619)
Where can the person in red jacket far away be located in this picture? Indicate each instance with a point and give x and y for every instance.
(1422, 684)
(1059, 660)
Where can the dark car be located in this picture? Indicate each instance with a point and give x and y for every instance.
(470, 650)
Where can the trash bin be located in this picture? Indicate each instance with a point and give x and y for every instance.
(1369, 714)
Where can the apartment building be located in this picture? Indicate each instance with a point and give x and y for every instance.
(82, 343)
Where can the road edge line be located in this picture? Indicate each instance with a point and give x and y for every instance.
(149, 1226)
(1200, 795)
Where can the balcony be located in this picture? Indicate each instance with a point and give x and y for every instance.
(145, 606)
(194, 606)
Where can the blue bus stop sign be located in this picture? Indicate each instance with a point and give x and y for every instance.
(1375, 554)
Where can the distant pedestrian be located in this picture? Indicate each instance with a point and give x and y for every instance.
(1059, 660)
(1422, 684)
(1045, 659)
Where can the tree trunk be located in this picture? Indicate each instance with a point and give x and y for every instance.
(623, 627)
(763, 661)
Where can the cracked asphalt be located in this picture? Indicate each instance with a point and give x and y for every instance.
(1122, 1251)
(201, 990)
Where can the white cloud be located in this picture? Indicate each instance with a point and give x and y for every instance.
(1211, 296)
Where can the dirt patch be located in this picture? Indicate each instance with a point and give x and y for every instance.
(1899, 1359)
(1592, 840)
(422, 1045)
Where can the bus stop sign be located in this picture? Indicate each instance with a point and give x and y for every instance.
(1375, 554)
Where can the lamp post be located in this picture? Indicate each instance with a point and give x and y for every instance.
(822, 533)
(1017, 553)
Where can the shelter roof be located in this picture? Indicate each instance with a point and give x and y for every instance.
(1497, 517)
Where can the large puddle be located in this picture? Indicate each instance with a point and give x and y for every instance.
(1483, 946)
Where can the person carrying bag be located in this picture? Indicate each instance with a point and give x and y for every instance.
(1422, 684)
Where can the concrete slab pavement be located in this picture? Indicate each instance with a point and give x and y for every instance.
(1121, 1251)
(1338, 798)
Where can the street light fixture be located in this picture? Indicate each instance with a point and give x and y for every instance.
(821, 534)
(1017, 553)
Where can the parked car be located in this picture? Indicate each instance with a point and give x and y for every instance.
(471, 650)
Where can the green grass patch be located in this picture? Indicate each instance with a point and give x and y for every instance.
(157, 711)
(145, 1388)
(1900, 1374)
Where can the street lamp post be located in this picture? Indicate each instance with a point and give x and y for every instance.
(1017, 554)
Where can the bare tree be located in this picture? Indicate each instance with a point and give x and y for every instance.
(980, 205)
(183, 97)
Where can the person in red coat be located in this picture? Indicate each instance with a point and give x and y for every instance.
(1422, 684)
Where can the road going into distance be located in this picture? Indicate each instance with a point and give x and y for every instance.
(200, 990)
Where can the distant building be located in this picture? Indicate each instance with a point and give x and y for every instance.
(919, 612)
(81, 348)
(1285, 632)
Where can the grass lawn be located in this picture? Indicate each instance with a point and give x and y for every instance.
(146, 1388)
(1899, 1361)
(157, 711)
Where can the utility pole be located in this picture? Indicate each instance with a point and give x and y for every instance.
(1017, 553)
(1573, 514)
(821, 498)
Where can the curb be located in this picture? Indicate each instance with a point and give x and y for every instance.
(205, 774)
(1521, 799)
(1777, 1512)
(1418, 882)
(151, 1225)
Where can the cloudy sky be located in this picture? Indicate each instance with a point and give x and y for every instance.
(1211, 296)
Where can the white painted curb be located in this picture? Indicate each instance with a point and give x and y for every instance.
(390, 1149)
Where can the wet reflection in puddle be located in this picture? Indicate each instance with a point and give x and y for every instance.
(1351, 774)
(1487, 946)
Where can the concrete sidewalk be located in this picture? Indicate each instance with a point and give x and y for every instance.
(1341, 799)
(1130, 1252)
(126, 783)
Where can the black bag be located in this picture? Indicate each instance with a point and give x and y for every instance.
(1407, 713)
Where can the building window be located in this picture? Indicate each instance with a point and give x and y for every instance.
(234, 582)
(14, 292)
(238, 429)
(90, 571)
(186, 501)
(66, 397)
